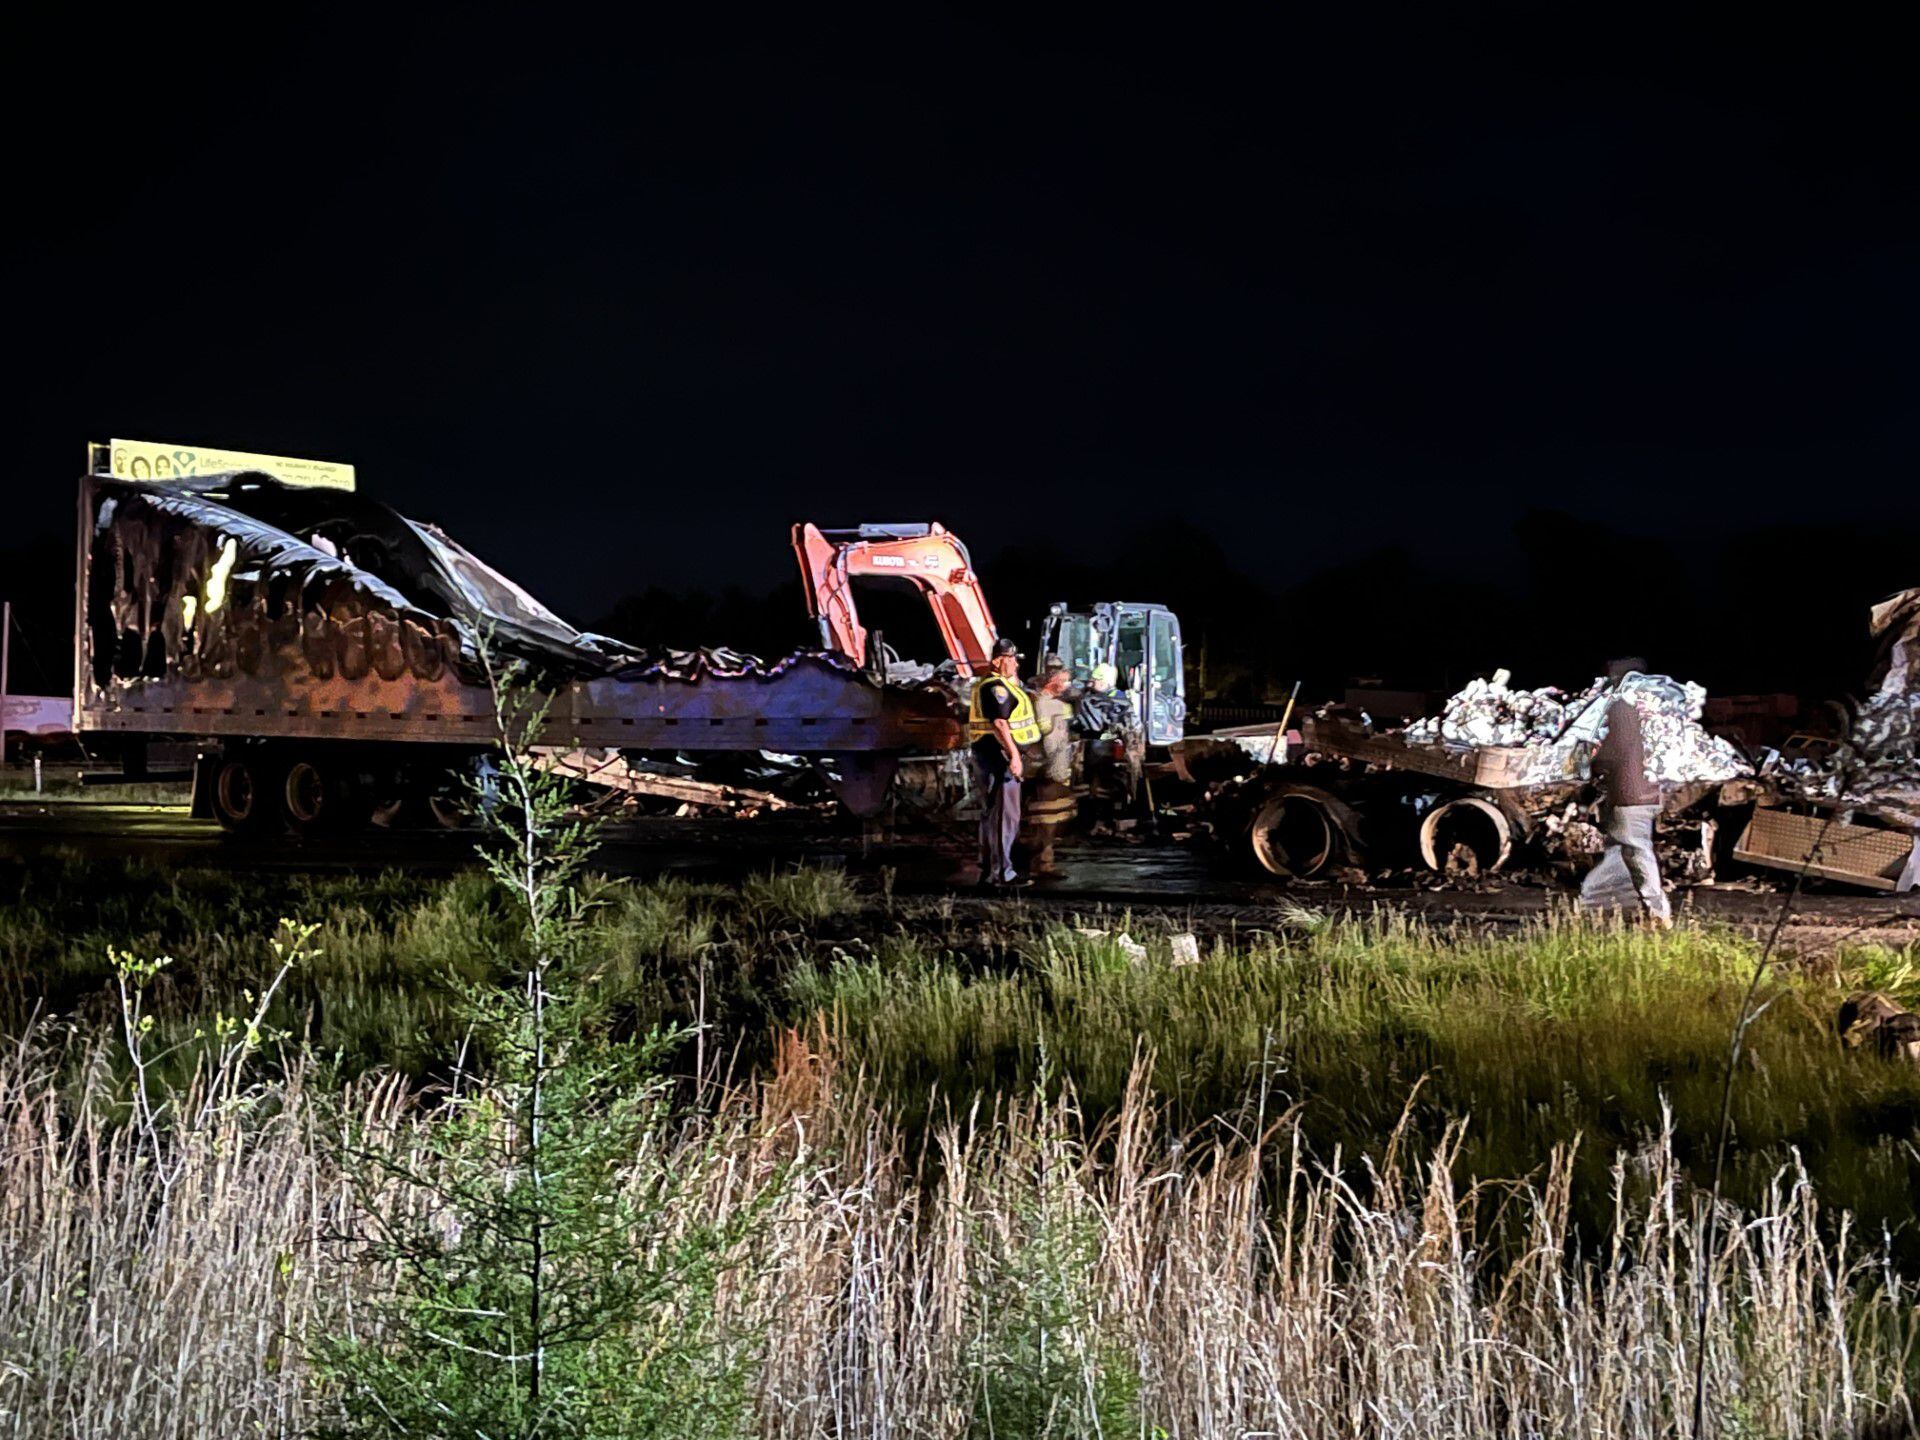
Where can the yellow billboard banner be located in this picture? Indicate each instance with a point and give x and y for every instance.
(145, 460)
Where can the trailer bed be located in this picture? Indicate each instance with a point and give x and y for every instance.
(197, 617)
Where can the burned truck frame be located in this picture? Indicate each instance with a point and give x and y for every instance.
(329, 655)
(1348, 797)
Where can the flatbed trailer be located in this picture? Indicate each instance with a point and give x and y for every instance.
(1351, 795)
(327, 653)
(1347, 796)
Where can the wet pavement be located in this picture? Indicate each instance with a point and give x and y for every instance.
(1179, 881)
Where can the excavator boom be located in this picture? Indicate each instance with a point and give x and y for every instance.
(930, 557)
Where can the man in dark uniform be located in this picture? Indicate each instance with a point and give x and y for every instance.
(1001, 719)
(1630, 803)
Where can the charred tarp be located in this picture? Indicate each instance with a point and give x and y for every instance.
(181, 585)
(241, 574)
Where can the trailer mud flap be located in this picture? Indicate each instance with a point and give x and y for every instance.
(206, 765)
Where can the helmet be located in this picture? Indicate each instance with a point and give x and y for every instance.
(1105, 676)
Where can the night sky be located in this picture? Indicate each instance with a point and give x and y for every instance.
(618, 306)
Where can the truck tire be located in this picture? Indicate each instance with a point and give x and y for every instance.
(244, 792)
(1300, 831)
(318, 796)
(1467, 836)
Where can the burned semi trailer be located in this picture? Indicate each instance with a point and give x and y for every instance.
(330, 655)
(1344, 797)
(1498, 780)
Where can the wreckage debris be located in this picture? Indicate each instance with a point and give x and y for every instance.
(1550, 726)
(1868, 1018)
(1878, 768)
(610, 770)
(239, 575)
(1489, 712)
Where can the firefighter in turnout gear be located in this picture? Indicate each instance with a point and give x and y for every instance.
(1049, 790)
(1000, 718)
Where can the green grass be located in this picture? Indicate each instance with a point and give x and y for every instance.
(393, 949)
(1567, 1032)
(67, 791)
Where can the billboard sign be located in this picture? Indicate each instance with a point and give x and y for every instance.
(147, 460)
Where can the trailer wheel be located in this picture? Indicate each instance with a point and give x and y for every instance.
(243, 792)
(1295, 834)
(318, 797)
(303, 792)
(1467, 837)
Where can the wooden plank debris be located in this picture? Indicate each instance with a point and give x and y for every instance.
(611, 770)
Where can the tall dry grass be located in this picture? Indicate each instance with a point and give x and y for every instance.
(157, 1299)
(1011, 1273)
(1561, 1030)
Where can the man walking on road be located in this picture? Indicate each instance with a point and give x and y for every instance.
(1000, 718)
(1630, 802)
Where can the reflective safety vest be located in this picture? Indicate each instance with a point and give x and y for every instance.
(1026, 730)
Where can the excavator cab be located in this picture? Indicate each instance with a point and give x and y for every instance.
(1142, 642)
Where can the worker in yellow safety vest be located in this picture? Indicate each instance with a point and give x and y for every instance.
(1000, 719)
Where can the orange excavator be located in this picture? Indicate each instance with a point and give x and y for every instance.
(1140, 641)
(1135, 642)
(930, 557)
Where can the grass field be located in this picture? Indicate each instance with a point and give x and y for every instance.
(63, 787)
(1568, 1031)
(1338, 1177)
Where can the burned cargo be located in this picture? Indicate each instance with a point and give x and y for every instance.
(329, 651)
(1492, 782)
(1852, 814)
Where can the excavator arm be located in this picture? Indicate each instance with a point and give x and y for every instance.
(930, 557)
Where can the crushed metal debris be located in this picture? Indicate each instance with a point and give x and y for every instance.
(1877, 768)
(1552, 727)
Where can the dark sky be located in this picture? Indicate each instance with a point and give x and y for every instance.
(618, 306)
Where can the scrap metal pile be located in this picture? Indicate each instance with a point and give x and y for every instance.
(1552, 727)
(1878, 768)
